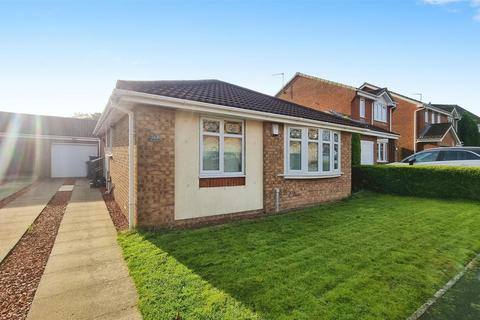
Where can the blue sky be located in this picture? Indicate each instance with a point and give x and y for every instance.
(61, 57)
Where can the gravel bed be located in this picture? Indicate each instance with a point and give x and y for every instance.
(17, 194)
(118, 218)
(22, 269)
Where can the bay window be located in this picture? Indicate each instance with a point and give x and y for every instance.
(380, 112)
(221, 147)
(312, 151)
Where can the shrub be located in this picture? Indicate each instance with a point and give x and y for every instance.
(421, 181)
(356, 149)
(468, 131)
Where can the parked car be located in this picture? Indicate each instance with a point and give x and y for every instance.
(449, 156)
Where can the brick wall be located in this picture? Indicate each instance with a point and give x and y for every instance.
(300, 193)
(156, 166)
(403, 124)
(119, 163)
(320, 95)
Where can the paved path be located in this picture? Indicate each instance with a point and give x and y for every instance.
(10, 187)
(86, 276)
(17, 216)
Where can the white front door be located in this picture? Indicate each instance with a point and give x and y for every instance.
(69, 159)
(367, 152)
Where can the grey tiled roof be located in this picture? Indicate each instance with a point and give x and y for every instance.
(21, 123)
(435, 131)
(230, 95)
(460, 110)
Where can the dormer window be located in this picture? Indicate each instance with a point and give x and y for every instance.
(380, 112)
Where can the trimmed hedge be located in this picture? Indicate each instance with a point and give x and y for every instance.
(356, 149)
(419, 181)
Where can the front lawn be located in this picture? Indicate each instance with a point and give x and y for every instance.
(370, 257)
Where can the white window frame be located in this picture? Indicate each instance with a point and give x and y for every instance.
(426, 116)
(362, 108)
(433, 117)
(380, 112)
(303, 172)
(222, 135)
(382, 154)
(439, 118)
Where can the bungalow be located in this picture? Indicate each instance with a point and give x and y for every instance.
(45, 146)
(182, 153)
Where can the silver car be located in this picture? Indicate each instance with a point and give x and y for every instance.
(448, 156)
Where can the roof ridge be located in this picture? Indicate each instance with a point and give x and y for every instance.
(326, 80)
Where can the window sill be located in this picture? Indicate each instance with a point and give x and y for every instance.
(378, 161)
(210, 176)
(309, 176)
(380, 121)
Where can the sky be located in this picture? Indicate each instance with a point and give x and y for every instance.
(62, 57)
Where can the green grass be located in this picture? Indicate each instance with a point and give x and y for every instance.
(370, 257)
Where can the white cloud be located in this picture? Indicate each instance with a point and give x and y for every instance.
(473, 3)
(477, 16)
(441, 2)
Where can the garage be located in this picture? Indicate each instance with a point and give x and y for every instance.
(69, 159)
(367, 152)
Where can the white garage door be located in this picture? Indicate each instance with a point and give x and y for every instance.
(68, 159)
(367, 152)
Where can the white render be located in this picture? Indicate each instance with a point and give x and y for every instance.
(191, 201)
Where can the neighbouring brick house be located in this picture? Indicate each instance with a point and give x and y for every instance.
(371, 106)
(419, 125)
(180, 153)
(40, 146)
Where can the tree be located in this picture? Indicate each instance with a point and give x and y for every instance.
(468, 131)
(90, 116)
(356, 149)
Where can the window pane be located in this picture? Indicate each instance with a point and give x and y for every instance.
(232, 155)
(296, 133)
(313, 156)
(211, 155)
(426, 156)
(211, 126)
(335, 156)
(326, 157)
(232, 127)
(295, 155)
(335, 137)
(313, 134)
(326, 135)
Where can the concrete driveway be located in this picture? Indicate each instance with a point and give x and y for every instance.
(17, 216)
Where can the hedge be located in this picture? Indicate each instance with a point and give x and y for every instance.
(421, 181)
(356, 149)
